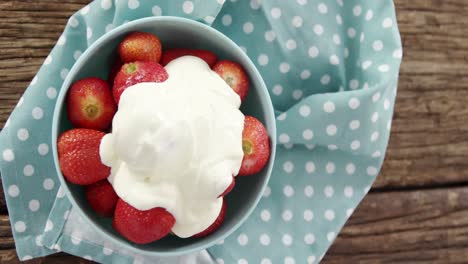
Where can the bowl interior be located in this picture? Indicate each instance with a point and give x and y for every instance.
(174, 32)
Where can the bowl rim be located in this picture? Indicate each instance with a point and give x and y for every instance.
(61, 101)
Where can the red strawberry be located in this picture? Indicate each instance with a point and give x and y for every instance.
(114, 70)
(171, 54)
(234, 75)
(90, 104)
(229, 188)
(256, 146)
(142, 227)
(78, 152)
(137, 72)
(216, 224)
(102, 197)
(140, 46)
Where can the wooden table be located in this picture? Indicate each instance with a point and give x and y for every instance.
(417, 210)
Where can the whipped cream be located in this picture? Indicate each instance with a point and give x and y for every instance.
(176, 144)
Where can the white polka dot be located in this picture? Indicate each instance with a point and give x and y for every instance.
(284, 138)
(221, 242)
(378, 45)
(309, 239)
(334, 60)
(291, 44)
(387, 23)
(384, 68)
(348, 191)
(284, 67)
(66, 214)
(209, 19)
(27, 257)
(310, 146)
(346, 53)
(362, 37)
(337, 39)
(48, 184)
(242, 261)
(374, 136)
(60, 193)
(242, 239)
(301, 2)
(21, 100)
(376, 154)
(307, 134)
(369, 14)
(331, 236)
(106, 4)
(304, 110)
(248, 28)
(288, 191)
(322, 8)
(325, 79)
(372, 171)
(255, 4)
(355, 145)
(339, 20)
(297, 94)
(331, 130)
(318, 29)
(309, 190)
(28, 170)
(107, 251)
(220, 1)
(332, 147)
(20, 226)
(133, 4)
(375, 117)
(270, 35)
(156, 10)
(289, 260)
(109, 27)
(277, 89)
(329, 107)
(308, 215)
(357, 10)
(305, 74)
(288, 167)
(267, 192)
(389, 124)
(13, 191)
(398, 54)
(287, 239)
(262, 59)
(275, 12)
(287, 215)
(85, 10)
(76, 237)
(8, 155)
(56, 247)
(297, 21)
(265, 261)
(386, 104)
(51, 92)
(34, 205)
(76, 55)
(330, 167)
(88, 257)
(328, 191)
(265, 215)
(226, 20)
(354, 103)
(349, 212)
(22, 134)
(340, 2)
(265, 239)
(282, 116)
(64, 73)
(351, 32)
(366, 64)
(353, 84)
(313, 52)
(43, 149)
(288, 145)
(329, 215)
(49, 226)
(355, 124)
(62, 40)
(37, 113)
(350, 168)
(73, 22)
(39, 241)
(311, 259)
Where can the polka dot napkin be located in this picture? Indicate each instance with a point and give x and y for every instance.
(331, 67)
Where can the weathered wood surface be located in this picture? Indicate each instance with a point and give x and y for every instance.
(418, 210)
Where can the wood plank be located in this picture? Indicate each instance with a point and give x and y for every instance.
(428, 226)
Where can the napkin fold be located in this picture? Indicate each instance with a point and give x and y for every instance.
(331, 68)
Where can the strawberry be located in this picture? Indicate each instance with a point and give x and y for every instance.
(114, 70)
(137, 72)
(90, 104)
(140, 46)
(234, 75)
(216, 224)
(102, 197)
(171, 54)
(78, 153)
(142, 227)
(229, 188)
(256, 146)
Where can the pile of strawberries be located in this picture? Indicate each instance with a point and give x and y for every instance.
(91, 105)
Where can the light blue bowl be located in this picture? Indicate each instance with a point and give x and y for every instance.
(173, 32)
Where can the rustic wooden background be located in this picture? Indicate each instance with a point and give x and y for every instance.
(417, 211)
